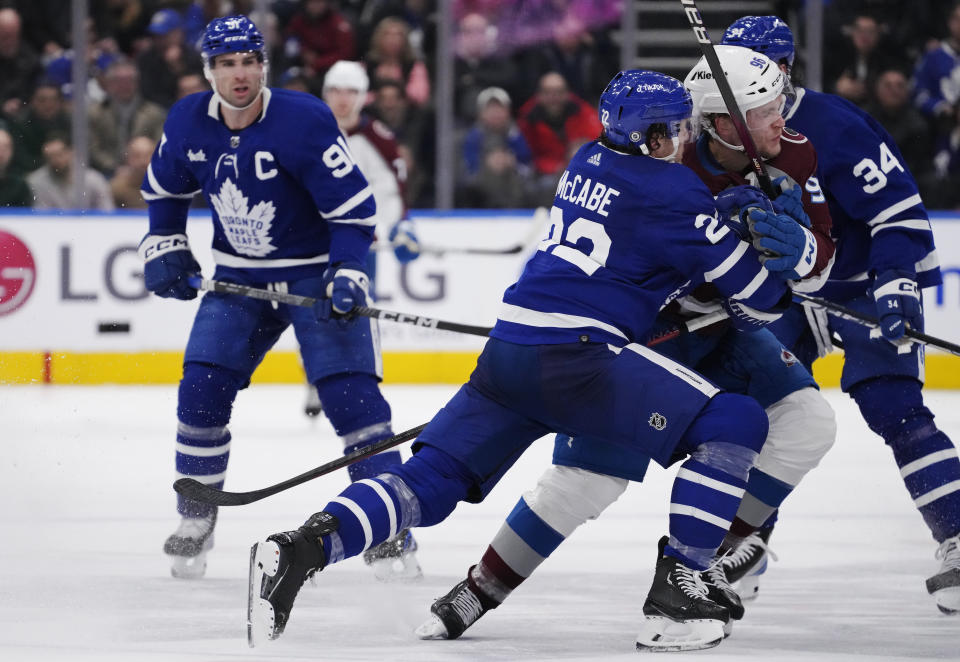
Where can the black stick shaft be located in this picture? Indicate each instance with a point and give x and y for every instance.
(193, 489)
(709, 52)
(843, 312)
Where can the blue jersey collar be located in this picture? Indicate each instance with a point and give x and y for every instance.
(213, 106)
(706, 158)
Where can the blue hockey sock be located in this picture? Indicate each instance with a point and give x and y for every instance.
(202, 454)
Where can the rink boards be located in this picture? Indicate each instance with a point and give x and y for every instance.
(73, 308)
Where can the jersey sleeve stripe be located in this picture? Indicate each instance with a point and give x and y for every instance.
(913, 224)
(677, 370)
(895, 209)
(727, 264)
(528, 317)
(161, 192)
(355, 221)
(354, 200)
(753, 285)
(237, 262)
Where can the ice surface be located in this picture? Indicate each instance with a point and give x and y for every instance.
(85, 485)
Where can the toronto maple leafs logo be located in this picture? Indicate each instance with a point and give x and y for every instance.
(247, 230)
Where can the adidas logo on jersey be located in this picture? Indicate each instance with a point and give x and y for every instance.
(196, 156)
(595, 159)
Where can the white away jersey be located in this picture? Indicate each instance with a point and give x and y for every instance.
(285, 193)
(627, 235)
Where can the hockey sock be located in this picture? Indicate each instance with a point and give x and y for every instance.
(422, 491)
(927, 458)
(205, 400)
(763, 496)
(361, 416)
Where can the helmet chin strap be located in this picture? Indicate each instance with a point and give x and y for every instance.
(208, 74)
(708, 127)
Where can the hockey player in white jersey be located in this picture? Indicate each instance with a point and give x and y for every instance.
(627, 233)
(885, 256)
(291, 211)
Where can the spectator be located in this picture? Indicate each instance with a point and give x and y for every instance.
(167, 58)
(124, 114)
(391, 56)
(124, 21)
(14, 191)
(495, 165)
(19, 64)
(852, 72)
(413, 128)
(45, 115)
(478, 66)
(190, 83)
(938, 76)
(125, 184)
(555, 123)
(892, 108)
(320, 34)
(52, 184)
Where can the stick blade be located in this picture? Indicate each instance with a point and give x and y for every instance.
(194, 489)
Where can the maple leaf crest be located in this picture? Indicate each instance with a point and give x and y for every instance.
(247, 230)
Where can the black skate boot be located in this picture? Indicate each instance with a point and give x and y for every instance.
(945, 585)
(678, 615)
(720, 591)
(278, 568)
(395, 559)
(748, 560)
(189, 544)
(452, 614)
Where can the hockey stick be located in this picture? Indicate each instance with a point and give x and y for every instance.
(851, 315)
(194, 489)
(710, 53)
(307, 302)
(462, 250)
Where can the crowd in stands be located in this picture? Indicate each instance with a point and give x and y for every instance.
(527, 77)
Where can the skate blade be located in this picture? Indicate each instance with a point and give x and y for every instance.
(400, 570)
(660, 634)
(948, 600)
(261, 623)
(189, 567)
(432, 628)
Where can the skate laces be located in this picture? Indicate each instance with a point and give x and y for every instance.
(746, 552)
(196, 528)
(949, 552)
(467, 605)
(690, 582)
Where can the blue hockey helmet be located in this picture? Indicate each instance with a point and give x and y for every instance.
(764, 34)
(638, 103)
(230, 34)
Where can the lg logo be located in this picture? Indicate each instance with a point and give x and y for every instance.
(18, 273)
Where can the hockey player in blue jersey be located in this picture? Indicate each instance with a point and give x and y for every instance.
(291, 211)
(801, 423)
(885, 255)
(627, 232)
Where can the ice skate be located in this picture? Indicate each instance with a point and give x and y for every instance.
(945, 585)
(188, 546)
(720, 591)
(452, 614)
(279, 566)
(678, 615)
(744, 565)
(312, 407)
(395, 560)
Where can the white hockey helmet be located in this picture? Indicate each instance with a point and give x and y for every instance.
(754, 79)
(348, 75)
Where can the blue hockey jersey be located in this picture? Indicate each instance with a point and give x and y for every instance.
(285, 193)
(627, 235)
(879, 221)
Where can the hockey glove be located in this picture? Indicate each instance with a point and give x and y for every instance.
(790, 249)
(898, 302)
(732, 203)
(790, 202)
(406, 246)
(746, 318)
(345, 286)
(167, 263)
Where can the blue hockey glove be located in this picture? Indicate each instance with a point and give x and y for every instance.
(731, 204)
(790, 202)
(406, 246)
(345, 286)
(898, 302)
(167, 263)
(790, 249)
